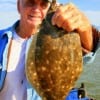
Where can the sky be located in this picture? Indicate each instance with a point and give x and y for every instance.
(85, 4)
(91, 8)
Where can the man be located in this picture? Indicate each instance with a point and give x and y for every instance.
(15, 41)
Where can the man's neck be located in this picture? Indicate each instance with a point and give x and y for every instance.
(25, 32)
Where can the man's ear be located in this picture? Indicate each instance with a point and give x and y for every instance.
(18, 5)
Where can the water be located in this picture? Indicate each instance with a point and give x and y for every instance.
(91, 72)
(91, 77)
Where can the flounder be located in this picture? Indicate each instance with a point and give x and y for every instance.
(54, 61)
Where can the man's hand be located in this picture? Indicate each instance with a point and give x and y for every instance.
(70, 18)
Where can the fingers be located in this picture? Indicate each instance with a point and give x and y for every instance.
(68, 17)
(71, 24)
(61, 10)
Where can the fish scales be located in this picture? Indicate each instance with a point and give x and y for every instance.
(54, 61)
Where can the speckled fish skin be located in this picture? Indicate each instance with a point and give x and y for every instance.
(54, 61)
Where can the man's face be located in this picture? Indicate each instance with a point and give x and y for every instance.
(32, 12)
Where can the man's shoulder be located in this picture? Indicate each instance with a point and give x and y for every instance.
(3, 31)
(10, 28)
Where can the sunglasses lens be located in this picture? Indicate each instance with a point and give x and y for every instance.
(48, 0)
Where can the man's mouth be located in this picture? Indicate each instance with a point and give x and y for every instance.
(35, 17)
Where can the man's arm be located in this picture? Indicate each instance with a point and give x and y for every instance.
(96, 38)
(70, 18)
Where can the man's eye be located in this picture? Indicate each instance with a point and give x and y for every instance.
(44, 4)
(29, 3)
